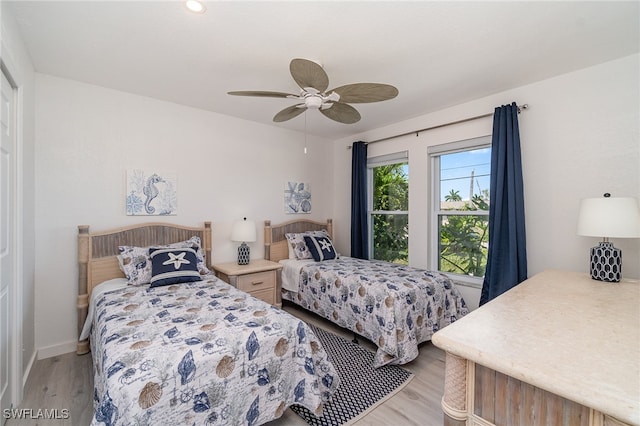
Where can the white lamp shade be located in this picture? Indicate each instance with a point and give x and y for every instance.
(609, 217)
(244, 231)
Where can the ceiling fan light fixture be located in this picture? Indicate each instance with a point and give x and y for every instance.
(313, 101)
(195, 6)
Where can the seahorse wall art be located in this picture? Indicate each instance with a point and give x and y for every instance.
(151, 193)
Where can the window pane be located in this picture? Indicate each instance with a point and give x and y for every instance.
(391, 237)
(391, 187)
(463, 240)
(464, 180)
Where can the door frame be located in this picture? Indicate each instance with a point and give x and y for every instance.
(19, 377)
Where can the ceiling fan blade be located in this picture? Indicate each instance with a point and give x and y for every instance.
(289, 113)
(309, 74)
(342, 113)
(365, 92)
(262, 94)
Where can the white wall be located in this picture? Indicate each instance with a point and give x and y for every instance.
(16, 61)
(86, 139)
(580, 138)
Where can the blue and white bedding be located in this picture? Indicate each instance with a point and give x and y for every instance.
(395, 306)
(201, 353)
(96, 293)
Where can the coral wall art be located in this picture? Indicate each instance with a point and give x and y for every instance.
(297, 197)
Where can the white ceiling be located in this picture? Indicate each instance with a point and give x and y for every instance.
(438, 54)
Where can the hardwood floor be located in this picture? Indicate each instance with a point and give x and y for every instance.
(66, 382)
(59, 383)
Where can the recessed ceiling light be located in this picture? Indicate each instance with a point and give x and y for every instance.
(195, 6)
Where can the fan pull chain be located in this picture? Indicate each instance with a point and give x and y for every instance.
(305, 132)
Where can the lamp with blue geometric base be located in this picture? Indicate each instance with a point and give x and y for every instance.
(608, 217)
(244, 231)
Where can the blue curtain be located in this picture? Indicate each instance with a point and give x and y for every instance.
(359, 230)
(507, 259)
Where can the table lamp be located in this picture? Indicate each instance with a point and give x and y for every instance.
(608, 217)
(243, 231)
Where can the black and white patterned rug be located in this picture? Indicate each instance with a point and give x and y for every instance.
(362, 387)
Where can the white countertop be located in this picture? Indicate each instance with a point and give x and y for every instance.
(562, 332)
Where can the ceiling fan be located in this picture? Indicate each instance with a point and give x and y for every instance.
(334, 103)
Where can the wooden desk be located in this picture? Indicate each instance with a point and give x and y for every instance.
(558, 349)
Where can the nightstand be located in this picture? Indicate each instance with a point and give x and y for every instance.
(259, 278)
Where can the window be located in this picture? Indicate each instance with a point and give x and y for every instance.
(460, 219)
(389, 208)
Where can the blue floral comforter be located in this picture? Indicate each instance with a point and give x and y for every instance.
(395, 306)
(202, 353)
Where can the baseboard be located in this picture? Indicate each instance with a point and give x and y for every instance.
(55, 350)
(28, 368)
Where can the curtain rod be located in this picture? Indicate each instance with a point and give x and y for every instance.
(464, 120)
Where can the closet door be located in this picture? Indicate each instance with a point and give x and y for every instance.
(7, 244)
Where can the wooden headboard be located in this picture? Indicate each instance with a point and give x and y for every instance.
(275, 243)
(98, 251)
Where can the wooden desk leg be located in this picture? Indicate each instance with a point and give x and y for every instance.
(454, 401)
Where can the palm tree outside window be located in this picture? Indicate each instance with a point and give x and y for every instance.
(460, 214)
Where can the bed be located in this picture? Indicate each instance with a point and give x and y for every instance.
(188, 348)
(395, 306)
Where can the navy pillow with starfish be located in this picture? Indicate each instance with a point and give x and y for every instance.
(172, 266)
(321, 248)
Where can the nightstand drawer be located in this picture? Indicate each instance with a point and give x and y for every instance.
(257, 281)
(268, 295)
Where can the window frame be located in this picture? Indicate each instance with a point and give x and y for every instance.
(434, 153)
(379, 161)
